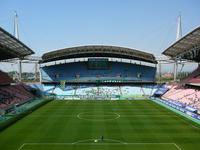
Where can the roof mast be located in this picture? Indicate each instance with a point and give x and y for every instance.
(179, 28)
(16, 34)
(16, 28)
(178, 37)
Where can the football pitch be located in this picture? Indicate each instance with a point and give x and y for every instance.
(102, 125)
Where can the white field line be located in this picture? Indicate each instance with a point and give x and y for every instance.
(21, 146)
(188, 123)
(67, 102)
(83, 113)
(125, 116)
(86, 141)
(177, 146)
(121, 143)
(129, 102)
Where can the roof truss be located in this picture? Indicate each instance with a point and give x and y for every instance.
(186, 48)
(11, 47)
(98, 51)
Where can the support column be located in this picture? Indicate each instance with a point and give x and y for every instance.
(40, 73)
(159, 71)
(20, 70)
(175, 69)
(36, 70)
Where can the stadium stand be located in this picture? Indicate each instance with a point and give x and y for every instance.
(14, 95)
(11, 93)
(97, 75)
(194, 77)
(161, 90)
(187, 91)
(113, 91)
(4, 78)
(80, 72)
(184, 95)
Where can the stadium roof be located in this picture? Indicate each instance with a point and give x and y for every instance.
(98, 51)
(187, 47)
(10, 47)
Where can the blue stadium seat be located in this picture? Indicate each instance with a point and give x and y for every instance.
(79, 71)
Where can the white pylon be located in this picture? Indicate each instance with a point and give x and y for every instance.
(178, 36)
(16, 28)
(179, 29)
(16, 34)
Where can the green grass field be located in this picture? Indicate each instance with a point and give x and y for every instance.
(125, 125)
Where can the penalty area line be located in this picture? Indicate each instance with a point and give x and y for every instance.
(89, 143)
(21, 146)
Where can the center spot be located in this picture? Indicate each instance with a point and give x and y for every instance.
(98, 116)
(99, 141)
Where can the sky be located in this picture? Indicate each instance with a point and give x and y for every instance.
(147, 25)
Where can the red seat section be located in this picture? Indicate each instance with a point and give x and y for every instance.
(4, 78)
(14, 94)
(194, 77)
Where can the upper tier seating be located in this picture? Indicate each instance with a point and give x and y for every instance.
(79, 72)
(4, 78)
(194, 77)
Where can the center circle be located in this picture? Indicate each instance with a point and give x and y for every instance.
(98, 116)
(99, 141)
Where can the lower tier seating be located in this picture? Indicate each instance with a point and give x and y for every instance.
(185, 95)
(14, 94)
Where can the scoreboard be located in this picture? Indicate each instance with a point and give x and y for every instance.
(98, 64)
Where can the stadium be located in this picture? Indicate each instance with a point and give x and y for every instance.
(100, 97)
